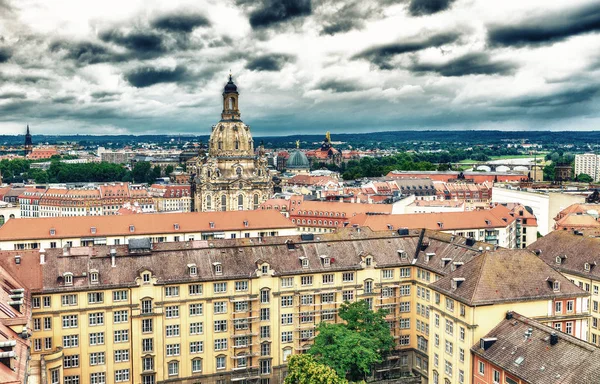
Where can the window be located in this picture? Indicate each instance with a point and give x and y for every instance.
(287, 318)
(70, 341)
(449, 347)
(71, 361)
(368, 286)
(146, 306)
(405, 290)
(569, 327)
(265, 314)
(46, 300)
(171, 291)
(98, 378)
(97, 358)
(328, 279)
(327, 297)
(146, 277)
(462, 333)
(97, 338)
(265, 367)
(121, 336)
(147, 345)
(121, 375)
(306, 299)
(286, 337)
(481, 369)
(197, 365)
(55, 376)
(461, 355)
(148, 363)
(368, 261)
(265, 349)
(404, 340)
(449, 327)
(35, 302)
(265, 332)
(74, 379)
(173, 349)
(195, 289)
(328, 314)
(196, 347)
(146, 325)
(96, 318)
(69, 300)
(196, 328)
(47, 323)
(448, 368)
(405, 306)
(220, 326)
(287, 282)
(570, 305)
(496, 377)
(240, 306)
(94, 277)
(173, 368)
(450, 304)
(119, 295)
(172, 330)
(264, 296)
(287, 301)
(558, 307)
(220, 344)
(69, 321)
(120, 316)
(347, 277)
(220, 307)
(196, 309)
(172, 312)
(388, 273)
(241, 286)
(95, 297)
(47, 343)
(404, 272)
(347, 295)
(121, 355)
(221, 362)
(306, 280)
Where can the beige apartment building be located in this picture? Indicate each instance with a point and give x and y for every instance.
(59, 232)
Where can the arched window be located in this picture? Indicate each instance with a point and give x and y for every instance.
(238, 170)
(11, 216)
(240, 202)
(196, 365)
(237, 144)
(231, 102)
(220, 145)
(255, 201)
(208, 202)
(223, 203)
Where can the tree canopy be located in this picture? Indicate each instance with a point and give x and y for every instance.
(353, 347)
(303, 369)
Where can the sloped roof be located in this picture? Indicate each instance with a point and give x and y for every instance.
(146, 224)
(570, 361)
(503, 276)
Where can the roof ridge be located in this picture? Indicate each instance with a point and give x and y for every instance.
(485, 256)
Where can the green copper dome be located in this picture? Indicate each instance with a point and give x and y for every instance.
(298, 160)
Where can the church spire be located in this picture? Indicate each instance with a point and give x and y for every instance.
(230, 101)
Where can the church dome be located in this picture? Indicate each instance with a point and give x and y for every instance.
(298, 160)
(231, 138)
(230, 87)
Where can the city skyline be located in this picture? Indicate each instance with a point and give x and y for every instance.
(301, 66)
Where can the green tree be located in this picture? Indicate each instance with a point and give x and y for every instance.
(584, 178)
(169, 169)
(303, 369)
(140, 172)
(353, 347)
(156, 173)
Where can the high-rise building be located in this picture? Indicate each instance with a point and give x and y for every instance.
(587, 163)
(231, 176)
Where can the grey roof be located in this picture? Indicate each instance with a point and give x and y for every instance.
(534, 360)
(297, 159)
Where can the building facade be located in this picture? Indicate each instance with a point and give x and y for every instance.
(231, 176)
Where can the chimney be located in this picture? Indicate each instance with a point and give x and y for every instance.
(42, 256)
(113, 255)
(553, 338)
(509, 315)
(487, 342)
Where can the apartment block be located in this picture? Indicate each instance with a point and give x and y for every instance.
(588, 163)
(472, 299)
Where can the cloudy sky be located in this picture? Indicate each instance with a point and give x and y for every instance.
(302, 66)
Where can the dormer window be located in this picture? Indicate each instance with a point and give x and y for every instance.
(326, 260)
(146, 278)
(94, 277)
(586, 266)
(304, 262)
(556, 286)
(212, 224)
(192, 269)
(487, 222)
(246, 223)
(402, 254)
(93, 230)
(218, 267)
(558, 259)
(176, 226)
(131, 228)
(68, 276)
(52, 231)
(264, 269)
(368, 261)
(457, 281)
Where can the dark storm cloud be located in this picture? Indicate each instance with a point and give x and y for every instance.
(558, 99)
(273, 12)
(104, 96)
(5, 54)
(548, 29)
(382, 55)
(348, 16)
(271, 62)
(469, 64)
(146, 76)
(337, 86)
(85, 52)
(64, 100)
(428, 7)
(13, 95)
(182, 22)
(138, 41)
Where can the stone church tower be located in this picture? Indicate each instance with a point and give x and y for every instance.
(231, 177)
